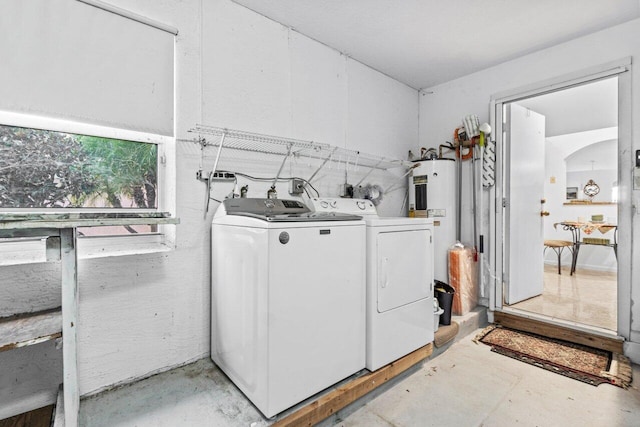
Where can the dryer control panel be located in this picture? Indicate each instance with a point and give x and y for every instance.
(362, 207)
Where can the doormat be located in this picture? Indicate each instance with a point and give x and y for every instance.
(582, 363)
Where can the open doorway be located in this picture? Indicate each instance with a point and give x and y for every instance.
(578, 207)
(506, 224)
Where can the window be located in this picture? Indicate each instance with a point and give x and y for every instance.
(53, 165)
(114, 99)
(47, 169)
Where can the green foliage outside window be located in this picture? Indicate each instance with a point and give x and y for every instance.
(48, 169)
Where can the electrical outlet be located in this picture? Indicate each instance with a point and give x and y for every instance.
(223, 176)
(296, 186)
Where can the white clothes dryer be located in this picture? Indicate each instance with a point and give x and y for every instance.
(287, 299)
(399, 280)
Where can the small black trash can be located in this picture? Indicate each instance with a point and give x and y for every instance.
(444, 294)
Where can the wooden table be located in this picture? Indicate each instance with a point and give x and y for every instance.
(577, 228)
(61, 233)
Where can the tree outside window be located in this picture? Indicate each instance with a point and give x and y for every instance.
(42, 169)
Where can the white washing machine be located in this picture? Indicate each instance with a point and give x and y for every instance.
(288, 299)
(399, 280)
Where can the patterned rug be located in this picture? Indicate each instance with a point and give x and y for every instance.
(586, 364)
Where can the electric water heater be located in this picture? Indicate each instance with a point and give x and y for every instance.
(432, 194)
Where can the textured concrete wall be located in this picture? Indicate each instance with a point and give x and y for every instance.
(141, 314)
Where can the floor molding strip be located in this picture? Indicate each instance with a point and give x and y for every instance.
(521, 323)
(342, 396)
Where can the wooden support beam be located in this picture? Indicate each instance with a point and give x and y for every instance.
(342, 396)
(30, 328)
(535, 326)
(69, 280)
(58, 412)
(64, 228)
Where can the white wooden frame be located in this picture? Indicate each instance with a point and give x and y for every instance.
(621, 68)
(66, 230)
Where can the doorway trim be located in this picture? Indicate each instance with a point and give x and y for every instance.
(620, 68)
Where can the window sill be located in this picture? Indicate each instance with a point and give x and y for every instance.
(104, 247)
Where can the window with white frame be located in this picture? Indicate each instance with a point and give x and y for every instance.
(87, 110)
(56, 166)
(43, 170)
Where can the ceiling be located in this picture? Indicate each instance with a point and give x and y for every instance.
(423, 43)
(578, 109)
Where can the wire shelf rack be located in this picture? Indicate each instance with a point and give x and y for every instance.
(224, 138)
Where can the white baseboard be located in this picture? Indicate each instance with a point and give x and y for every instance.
(145, 376)
(583, 266)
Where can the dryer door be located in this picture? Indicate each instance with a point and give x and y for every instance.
(405, 265)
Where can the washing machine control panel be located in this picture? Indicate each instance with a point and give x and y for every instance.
(260, 206)
(343, 205)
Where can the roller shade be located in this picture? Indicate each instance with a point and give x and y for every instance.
(70, 60)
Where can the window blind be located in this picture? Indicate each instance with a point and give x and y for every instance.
(70, 60)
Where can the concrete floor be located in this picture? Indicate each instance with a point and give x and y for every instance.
(467, 385)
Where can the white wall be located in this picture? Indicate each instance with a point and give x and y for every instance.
(236, 69)
(262, 77)
(557, 149)
(443, 106)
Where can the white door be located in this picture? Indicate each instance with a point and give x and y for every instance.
(525, 140)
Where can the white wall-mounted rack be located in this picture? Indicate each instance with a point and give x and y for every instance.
(267, 144)
(249, 142)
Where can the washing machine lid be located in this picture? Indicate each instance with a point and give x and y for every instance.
(301, 217)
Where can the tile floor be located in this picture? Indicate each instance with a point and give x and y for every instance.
(467, 385)
(588, 297)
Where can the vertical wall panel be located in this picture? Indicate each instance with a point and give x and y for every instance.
(245, 77)
(383, 113)
(318, 91)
